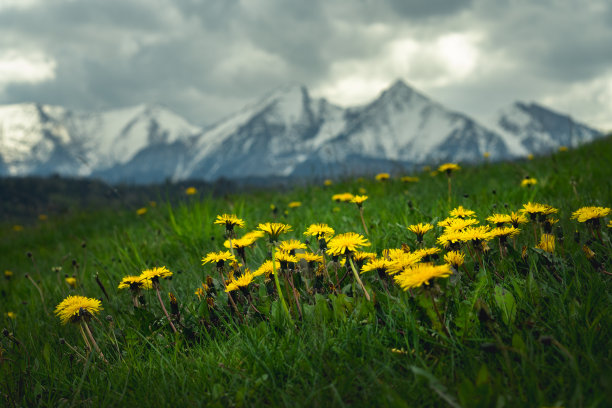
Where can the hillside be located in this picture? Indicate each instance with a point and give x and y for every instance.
(522, 322)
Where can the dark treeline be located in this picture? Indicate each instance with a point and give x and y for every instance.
(23, 199)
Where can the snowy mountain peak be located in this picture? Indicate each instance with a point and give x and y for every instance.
(285, 133)
(539, 129)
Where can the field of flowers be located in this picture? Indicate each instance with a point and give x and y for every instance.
(457, 286)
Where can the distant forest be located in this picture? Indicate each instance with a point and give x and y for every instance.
(23, 199)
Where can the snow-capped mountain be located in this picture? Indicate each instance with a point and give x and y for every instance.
(288, 133)
(42, 139)
(541, 130)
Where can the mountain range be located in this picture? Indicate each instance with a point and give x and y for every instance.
(287, 133)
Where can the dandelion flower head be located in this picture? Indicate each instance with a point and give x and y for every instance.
(320, 231)
(448, 168)
(74, 308)
(274, 229)
(154, 274)
(421, 274)
(218, 258)
(585, 214)
(230, 221)
(347, 243)
(343, 197)
(134, 283)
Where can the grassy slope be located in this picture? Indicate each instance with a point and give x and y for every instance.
(554, 350)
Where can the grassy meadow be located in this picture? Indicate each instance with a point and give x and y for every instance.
(525, 320)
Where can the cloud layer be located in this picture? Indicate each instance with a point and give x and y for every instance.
(205, 59)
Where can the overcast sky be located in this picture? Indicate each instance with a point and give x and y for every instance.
(205, 59)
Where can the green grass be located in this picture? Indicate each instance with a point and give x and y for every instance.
(532, 331)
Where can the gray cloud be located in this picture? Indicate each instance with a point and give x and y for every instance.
(205, 59)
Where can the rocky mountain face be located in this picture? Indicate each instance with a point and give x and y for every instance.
(287, 133)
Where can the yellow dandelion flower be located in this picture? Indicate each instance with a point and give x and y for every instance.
(461, 212)
(11, 315)
(274, 229)
(528, 182)
(71, 281)
(403, 261)
(486, 155)
(359, 199)
(286, 258)
(457, 224)
(266, 268)
(516, 218)
(328, 183)
(230, 221)
(360, 256)
(379, 265)
(191, 191)
(563, 148)
(241, 282)
(8, 274)
(448, 168)
(421, 274)
(17, 228)
(155, 274)
(75, 308)
(134, 283)
(535, 209)
(393, 253)
(420, 230)
(362, 191)
(345, 244)
(218, 258)
(200, 293)
(530, 156)
(343, 197)
(141, 211)
(448, 239)
(454, 258)
(291, 245)
(588, 252)
(609, 224)
(382, 177)
(409, 179)
(310, 257)
(505, 232)
(586, 214)
(42, 217)
(240, 243)
(320, 231)
(499, 219)
(294, 204)
(547, 243)
(425, 252)
(475, 234)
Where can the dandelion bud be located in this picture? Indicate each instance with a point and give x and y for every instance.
(62, 341)
(5, 332)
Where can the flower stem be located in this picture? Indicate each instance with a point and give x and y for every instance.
(363, 221)
(164, 309)
(40, 292)
(367, 295)
(277, 283)
(91, 337)
(433, 301)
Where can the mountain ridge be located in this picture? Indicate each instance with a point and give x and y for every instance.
(286, 133)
